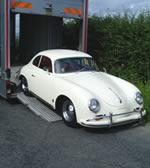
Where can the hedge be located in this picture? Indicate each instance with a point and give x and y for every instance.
(121, 44)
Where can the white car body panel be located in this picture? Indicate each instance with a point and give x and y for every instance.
(115, 95)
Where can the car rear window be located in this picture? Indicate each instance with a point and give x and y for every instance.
(36, 61)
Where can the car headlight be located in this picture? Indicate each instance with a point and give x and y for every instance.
(94, 105)
(139, 98)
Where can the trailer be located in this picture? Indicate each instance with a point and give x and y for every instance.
(41, 27)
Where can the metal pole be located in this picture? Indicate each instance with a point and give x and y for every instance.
(84, 28)
(5, 45)
(85, 23)
(5, 37)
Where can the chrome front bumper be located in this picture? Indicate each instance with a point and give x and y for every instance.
(114, 119)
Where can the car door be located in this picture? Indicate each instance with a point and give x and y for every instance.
(34, 70)
(43, 80)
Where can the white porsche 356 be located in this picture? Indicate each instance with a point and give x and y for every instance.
(71, 83)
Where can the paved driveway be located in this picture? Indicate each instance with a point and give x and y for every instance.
(27, 141)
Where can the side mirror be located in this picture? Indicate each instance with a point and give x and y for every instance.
(104, 69)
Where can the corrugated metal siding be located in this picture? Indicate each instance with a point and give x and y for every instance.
(39, 33)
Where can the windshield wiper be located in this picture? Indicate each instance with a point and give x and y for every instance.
(88, 68)
(85, 68)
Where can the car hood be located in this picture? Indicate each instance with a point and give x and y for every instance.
(102, 86)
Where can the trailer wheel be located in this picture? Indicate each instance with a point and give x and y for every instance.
(24, 86)
(68, 113)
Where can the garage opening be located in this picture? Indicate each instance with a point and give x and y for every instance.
(34, 33)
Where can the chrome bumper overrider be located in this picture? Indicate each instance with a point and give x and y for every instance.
(127, 117)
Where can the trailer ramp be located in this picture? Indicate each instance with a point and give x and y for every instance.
(38, 108)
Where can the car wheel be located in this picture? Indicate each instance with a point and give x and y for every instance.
(68, 113)
(24, 86)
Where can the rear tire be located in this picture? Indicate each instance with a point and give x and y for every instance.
(24, 86)
(68, 113)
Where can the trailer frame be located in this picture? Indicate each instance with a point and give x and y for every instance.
(58, 8)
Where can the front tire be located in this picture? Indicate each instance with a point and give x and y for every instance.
(68, 113)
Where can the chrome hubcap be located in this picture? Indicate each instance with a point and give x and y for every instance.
(71, 108)
(24, 86)
(68, 111)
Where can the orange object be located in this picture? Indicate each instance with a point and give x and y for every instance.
(21, 4)
(74, 11)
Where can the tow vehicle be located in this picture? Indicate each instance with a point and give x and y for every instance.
(40, 28)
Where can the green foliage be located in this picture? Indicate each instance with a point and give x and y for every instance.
(124, 47)
(121, 44)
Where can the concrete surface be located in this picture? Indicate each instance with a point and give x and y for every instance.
(27, 141)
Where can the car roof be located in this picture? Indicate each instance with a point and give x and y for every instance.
(55, 54)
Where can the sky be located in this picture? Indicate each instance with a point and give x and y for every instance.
(103, 7)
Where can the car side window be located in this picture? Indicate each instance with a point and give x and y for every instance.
(36, 61)
(46, 64)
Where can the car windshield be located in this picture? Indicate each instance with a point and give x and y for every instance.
(79, 64)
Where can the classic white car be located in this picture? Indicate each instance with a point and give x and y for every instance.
(72, 84)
